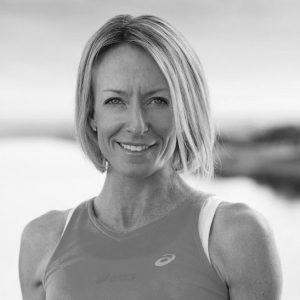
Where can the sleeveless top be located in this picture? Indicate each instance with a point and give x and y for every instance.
(164, 260)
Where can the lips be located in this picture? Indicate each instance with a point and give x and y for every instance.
(135, 147)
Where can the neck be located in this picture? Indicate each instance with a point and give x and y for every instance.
(126, 202)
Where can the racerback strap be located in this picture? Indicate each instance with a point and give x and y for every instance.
(70, 213)
(206, 217)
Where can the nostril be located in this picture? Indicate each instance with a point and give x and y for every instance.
(138, 129)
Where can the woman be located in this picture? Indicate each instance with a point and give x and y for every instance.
(142, 116)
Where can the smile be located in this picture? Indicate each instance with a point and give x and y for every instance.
(132, 148)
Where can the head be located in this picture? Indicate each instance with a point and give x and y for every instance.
(194, 136)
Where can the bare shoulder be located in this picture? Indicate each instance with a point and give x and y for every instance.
(243, 251)
(239, 219)
(38, 240)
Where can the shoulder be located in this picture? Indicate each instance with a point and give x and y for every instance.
(44, 228)
(238, 218)
(243, 250)
(38, 240)
(239, 223)
(41, 223)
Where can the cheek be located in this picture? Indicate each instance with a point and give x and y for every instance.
(107, 126)
(164, 124)
(106, 122)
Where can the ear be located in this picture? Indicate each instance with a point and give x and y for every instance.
(93, 124)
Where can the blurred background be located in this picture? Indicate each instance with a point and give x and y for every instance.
(250, 53)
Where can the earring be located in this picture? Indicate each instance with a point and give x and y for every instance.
(93, 124)
(104, 165)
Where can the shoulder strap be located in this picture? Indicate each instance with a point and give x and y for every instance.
(206, 217)
(70, 213)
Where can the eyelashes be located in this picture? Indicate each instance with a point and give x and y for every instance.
(156, 100)
(160, 100)
(113, 100)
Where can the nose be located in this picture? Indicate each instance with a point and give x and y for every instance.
(137, 124)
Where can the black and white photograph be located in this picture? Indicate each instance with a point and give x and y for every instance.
(150, 150)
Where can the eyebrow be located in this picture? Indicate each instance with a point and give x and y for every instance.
(146, 94)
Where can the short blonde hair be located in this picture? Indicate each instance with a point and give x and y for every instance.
(183, 72)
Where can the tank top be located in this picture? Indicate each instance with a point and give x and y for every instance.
(163, 260)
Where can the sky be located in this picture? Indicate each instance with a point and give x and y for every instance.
(249, 50)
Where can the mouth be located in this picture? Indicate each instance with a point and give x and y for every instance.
(135, 148)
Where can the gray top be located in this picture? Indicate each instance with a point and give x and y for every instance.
(162, 260)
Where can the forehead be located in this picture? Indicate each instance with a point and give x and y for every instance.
(127, 64)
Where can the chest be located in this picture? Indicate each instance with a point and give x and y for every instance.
(167, 274)
(164, 261)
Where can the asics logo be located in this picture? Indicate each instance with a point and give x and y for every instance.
(165, 259)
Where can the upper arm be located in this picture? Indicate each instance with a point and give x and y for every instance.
(243, 251)
(37, 242)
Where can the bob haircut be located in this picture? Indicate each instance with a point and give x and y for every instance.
(182, 69)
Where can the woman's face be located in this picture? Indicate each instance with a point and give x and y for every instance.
(133, 112)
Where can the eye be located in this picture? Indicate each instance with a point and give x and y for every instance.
(159, 100)
(113, 101)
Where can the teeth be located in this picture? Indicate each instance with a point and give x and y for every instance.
(134, 148)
